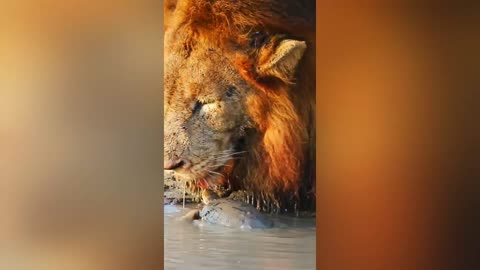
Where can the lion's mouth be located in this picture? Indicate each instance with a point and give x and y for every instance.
(207, 178)
(218, 177)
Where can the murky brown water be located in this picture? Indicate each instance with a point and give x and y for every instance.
(199, 246)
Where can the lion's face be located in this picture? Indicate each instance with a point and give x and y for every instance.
(205, 110)
(218, 92)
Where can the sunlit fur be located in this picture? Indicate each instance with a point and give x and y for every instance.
(279, 164)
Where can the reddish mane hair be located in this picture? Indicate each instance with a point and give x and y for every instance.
(280, 164)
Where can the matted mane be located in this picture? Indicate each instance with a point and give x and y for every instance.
(280, 164)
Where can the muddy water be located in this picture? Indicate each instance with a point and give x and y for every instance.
(291, 245)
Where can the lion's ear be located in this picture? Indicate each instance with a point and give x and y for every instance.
(282, 61)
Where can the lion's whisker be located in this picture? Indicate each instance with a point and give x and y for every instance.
(216, 173)
(227, 157)
(228, 153)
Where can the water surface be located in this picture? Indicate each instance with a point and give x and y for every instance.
(204, 246)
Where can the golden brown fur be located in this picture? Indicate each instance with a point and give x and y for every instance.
(209, 43)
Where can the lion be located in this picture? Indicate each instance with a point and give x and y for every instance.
(239, 98)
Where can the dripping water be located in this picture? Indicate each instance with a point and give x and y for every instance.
(184, 192)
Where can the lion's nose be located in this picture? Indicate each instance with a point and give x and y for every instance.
(173, 164)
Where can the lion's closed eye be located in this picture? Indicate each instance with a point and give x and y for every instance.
(200, 104)
(231, 91)
(197, 107)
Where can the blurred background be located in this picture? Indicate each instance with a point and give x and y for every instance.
(398, 132)
(81, 135)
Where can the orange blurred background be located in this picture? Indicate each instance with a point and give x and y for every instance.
(397, 98)
(81, 135)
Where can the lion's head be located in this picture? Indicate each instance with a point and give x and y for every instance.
(230, 114)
